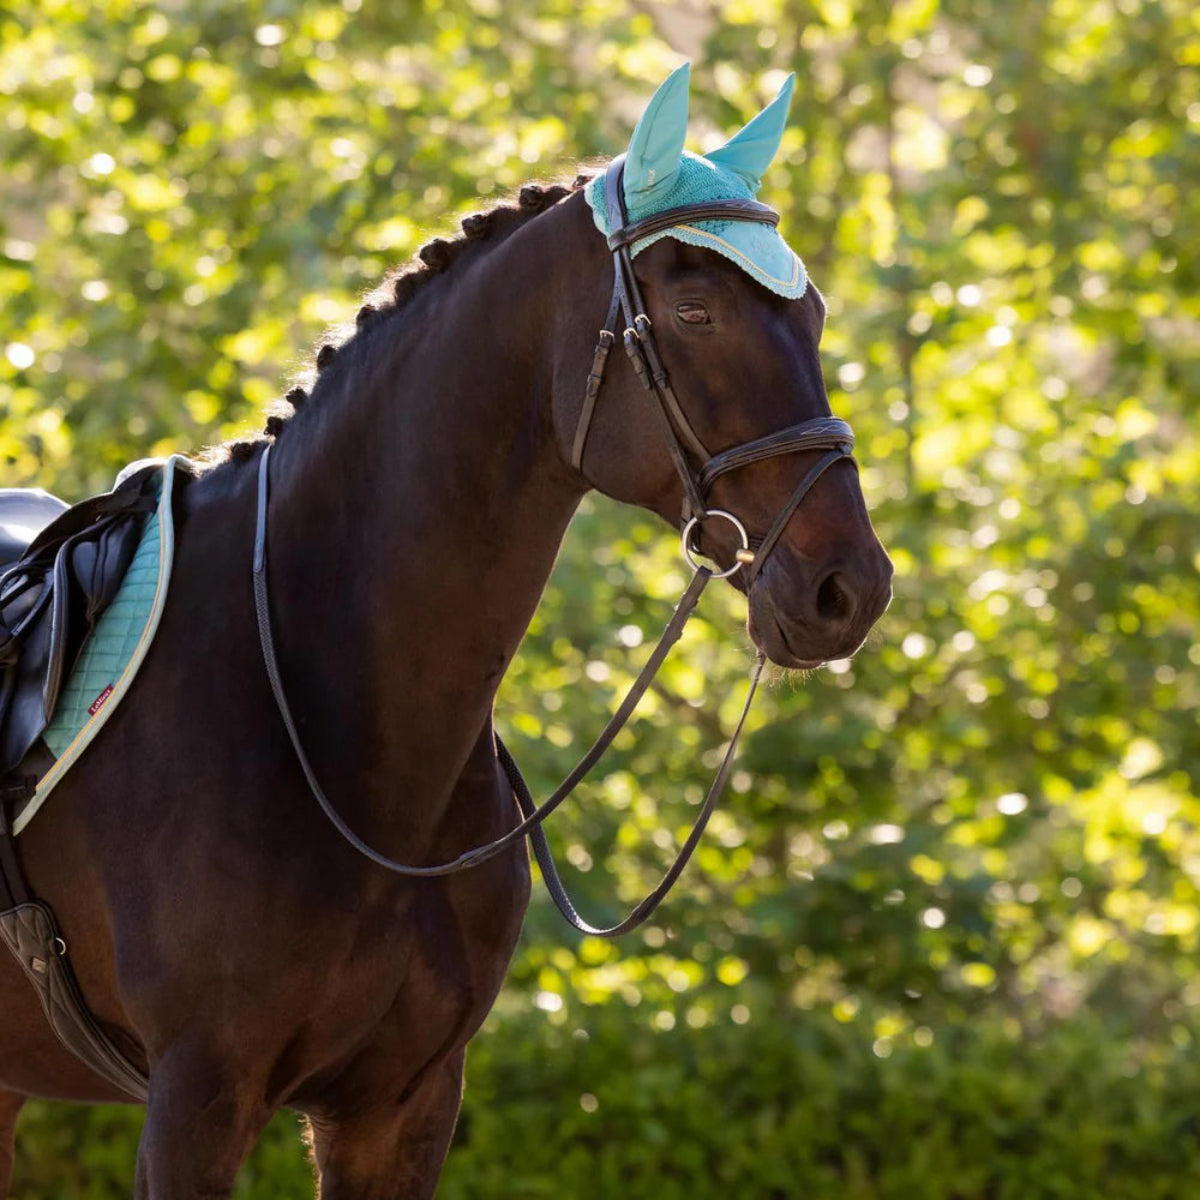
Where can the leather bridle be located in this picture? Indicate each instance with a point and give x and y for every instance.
(820, 433)
(833, 436)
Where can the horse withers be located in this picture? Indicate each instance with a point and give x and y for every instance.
(228, 941)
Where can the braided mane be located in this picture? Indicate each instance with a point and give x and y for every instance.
(432, 259)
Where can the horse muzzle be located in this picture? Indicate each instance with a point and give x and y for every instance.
(802, 615)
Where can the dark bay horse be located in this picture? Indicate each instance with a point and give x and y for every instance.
(226, 938)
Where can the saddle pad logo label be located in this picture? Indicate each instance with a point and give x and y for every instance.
(97, 704)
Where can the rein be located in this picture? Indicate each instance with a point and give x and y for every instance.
(823, 433)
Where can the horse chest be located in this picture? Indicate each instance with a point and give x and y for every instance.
(407, 990)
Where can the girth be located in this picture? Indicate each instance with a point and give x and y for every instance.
(820, 433)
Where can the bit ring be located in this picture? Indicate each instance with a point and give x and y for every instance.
(743, 555)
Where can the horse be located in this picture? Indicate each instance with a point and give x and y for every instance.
(234, 948)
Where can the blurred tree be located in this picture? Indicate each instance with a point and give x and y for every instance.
(990, 819)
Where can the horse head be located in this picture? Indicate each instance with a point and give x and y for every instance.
(729, 326)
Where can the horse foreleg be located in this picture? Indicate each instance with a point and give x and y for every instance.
(10, 1106)
(202, 1120)
(394, 1151)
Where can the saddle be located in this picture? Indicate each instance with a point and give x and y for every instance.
(60, 568)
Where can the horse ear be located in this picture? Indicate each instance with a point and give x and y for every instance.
(652, 160)
(750, 151)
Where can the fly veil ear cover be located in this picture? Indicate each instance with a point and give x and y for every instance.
(660, 174)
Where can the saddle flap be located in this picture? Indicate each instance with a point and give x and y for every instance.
(24, 714)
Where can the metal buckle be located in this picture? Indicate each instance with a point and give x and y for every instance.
(639, 330)
(744, 555)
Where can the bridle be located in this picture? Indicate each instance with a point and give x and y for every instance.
(821, 433)
(833, 436)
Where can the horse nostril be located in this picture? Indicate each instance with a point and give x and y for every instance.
(835, 601)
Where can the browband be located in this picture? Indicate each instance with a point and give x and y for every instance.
(708, 210)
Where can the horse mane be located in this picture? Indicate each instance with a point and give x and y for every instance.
(392, 295)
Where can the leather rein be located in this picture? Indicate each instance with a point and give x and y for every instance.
(833, 436)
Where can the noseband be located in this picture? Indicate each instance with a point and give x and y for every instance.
(820, 433)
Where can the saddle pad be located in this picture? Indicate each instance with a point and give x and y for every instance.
(111, 656)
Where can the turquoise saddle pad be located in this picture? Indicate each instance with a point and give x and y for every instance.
(111, 656)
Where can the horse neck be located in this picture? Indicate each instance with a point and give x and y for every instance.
(412, 531)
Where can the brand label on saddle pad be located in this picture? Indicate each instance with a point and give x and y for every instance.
(111, 656)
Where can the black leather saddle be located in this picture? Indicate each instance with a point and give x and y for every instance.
(60, 568)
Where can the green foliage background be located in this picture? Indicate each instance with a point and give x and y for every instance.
(942, 941)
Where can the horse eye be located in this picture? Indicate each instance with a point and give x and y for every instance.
(693, 313)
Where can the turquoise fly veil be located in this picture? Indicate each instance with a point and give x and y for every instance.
(661, 174)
